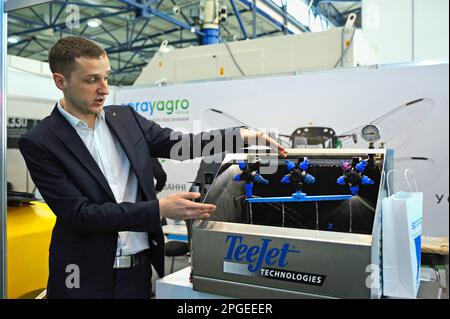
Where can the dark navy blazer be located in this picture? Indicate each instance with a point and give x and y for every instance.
(88, 217)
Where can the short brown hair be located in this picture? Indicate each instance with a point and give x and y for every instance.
(63, 54)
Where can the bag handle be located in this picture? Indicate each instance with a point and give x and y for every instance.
(414, 180)
(387, 181)
(406, 173)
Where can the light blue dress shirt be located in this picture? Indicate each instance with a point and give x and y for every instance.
(115, 166)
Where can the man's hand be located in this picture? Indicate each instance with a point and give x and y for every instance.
(260, 138)
(180, 206)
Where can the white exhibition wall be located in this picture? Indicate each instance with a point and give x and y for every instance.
(31, 94)
(340, 99)
(403, 31)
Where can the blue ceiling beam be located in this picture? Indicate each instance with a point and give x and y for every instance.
(238, 17)
(265, 15)
(337, 18)
(88, 5)
(357, 10)
(280, 26)
(334, 19)
(28, 21)
(122, 47)
(59, 13)
(159, 4)
(62, 26)
(114, 50)
(147, 11)
(131, 68)
(268, 33)
(331, 1)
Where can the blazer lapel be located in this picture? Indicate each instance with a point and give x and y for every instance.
(68, 135)
(122, 132)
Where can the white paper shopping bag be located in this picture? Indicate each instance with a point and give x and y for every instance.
(401, 243)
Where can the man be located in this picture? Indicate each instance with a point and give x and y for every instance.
(92, 165)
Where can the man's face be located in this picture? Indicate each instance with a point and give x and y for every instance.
(87, 87)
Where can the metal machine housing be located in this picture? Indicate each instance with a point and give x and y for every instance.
(239, 253)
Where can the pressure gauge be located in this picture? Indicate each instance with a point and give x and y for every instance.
(370, 133)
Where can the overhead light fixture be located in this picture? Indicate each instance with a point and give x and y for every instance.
(176, 10)
(94, 22)
(13, 39)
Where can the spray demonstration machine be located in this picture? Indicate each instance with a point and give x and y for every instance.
(308, 226)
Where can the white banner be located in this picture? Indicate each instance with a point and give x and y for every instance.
(342, 100)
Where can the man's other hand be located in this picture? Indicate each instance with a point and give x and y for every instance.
(180, 206)
(262, 139)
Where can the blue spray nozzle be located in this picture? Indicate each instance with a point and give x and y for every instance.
(354, 190)
(260, 179)
(237, 178)
(341, 180)
(367, 181)
(286, 179)
(304, 165)
(290, 165)
(242, 166)
(309, 179)
(361, 166)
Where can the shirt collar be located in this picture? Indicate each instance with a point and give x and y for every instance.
(75, 121)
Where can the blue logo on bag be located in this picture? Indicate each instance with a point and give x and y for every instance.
(417, 223)
(416, 227)
(418, 245)
(255, 256)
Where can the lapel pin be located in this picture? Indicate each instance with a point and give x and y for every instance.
(114, 113)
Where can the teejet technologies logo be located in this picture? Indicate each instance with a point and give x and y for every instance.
(167, 107)
(254, 256)
(273, 258)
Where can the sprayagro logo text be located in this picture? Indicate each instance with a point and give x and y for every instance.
(256, 255)
(167, 107)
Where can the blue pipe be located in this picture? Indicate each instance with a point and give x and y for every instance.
(211, 36)
(299, 199)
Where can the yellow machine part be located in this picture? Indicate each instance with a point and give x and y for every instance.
(29, 229)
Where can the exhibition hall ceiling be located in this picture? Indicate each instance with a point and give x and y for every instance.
(131, 31)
